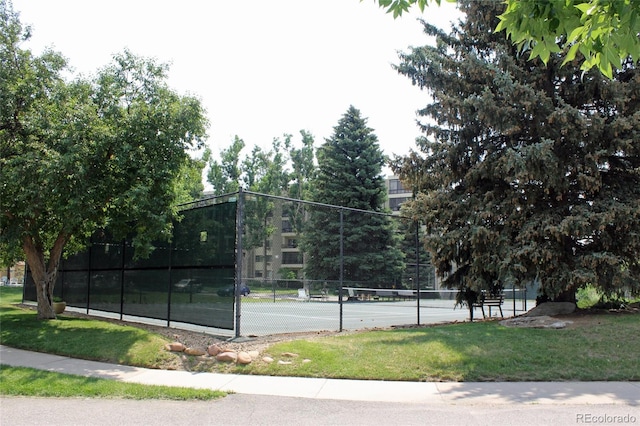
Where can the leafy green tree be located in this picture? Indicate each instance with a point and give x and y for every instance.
(267, 171)
(604, 32)
(79, 155)
(349, 174)
(264, 172)
(303, 163)
(225, 175)
(188, 185)
(528, 172)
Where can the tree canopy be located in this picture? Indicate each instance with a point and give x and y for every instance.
(349, 174)
(525, 172)
(601, 34)
(82, 154)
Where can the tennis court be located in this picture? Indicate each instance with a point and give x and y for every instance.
(262, 317)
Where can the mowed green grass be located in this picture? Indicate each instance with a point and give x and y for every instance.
(20, 381)
(85, 339)
(605, 350)
(604, 347)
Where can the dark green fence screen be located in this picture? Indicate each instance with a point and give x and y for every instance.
(189, 279)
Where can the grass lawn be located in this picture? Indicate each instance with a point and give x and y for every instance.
(19, 381)
(599, 347)
(86, 339)
(604, 349)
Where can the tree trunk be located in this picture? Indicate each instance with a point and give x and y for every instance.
(568, 295)
(44, 273)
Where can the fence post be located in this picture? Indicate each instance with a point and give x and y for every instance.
(239, 259)
(341, 264)
(416, 223)
(88, 280)
(169, 289)
(124, 247)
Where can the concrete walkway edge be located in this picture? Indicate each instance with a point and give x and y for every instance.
(558, 393)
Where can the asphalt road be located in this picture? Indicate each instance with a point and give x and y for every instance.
(240, 409)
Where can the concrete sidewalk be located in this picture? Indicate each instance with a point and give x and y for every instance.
(555, 393)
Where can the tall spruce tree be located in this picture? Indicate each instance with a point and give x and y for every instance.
(350, 175)
(528, 172)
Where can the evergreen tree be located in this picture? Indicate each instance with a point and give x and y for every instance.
(413, 260)
(528, 172)
(349, 175)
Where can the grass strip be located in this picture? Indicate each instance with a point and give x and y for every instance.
(22, 381)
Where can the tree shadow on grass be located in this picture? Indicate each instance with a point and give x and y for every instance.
(69, 336)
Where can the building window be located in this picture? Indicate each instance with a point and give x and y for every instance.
(395, 187)
(395, 203)
(292, 243)
(291, 258)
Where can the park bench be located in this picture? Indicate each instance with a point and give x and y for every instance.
(490, 300)
(303, 295)
(351, 294)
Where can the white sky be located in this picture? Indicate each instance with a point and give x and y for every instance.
(261, 68)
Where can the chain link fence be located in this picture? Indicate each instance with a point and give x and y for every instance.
(255, 264)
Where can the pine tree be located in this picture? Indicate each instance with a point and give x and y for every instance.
(349, 174)
(527, 172)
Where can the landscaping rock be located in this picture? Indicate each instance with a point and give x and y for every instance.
(254, 354)
(175, 347)
(267, 359)
(535, 322)
(195, 351)
(214, 350)
(551, 309)
(244, 358)
(227, 357)
(289, 355)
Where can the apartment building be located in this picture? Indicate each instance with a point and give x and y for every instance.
(397, 194)
(281, 258)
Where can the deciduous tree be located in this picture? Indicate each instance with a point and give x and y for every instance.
(601, 34)
(82, 154)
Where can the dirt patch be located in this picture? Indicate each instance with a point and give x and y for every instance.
(542, 321)
(194, 339)
(591, 317)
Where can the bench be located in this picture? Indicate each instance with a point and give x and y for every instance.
(303, 295)
(490, 301)
(352, 294)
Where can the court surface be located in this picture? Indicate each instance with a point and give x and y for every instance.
(274, 317)
(264, 316)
